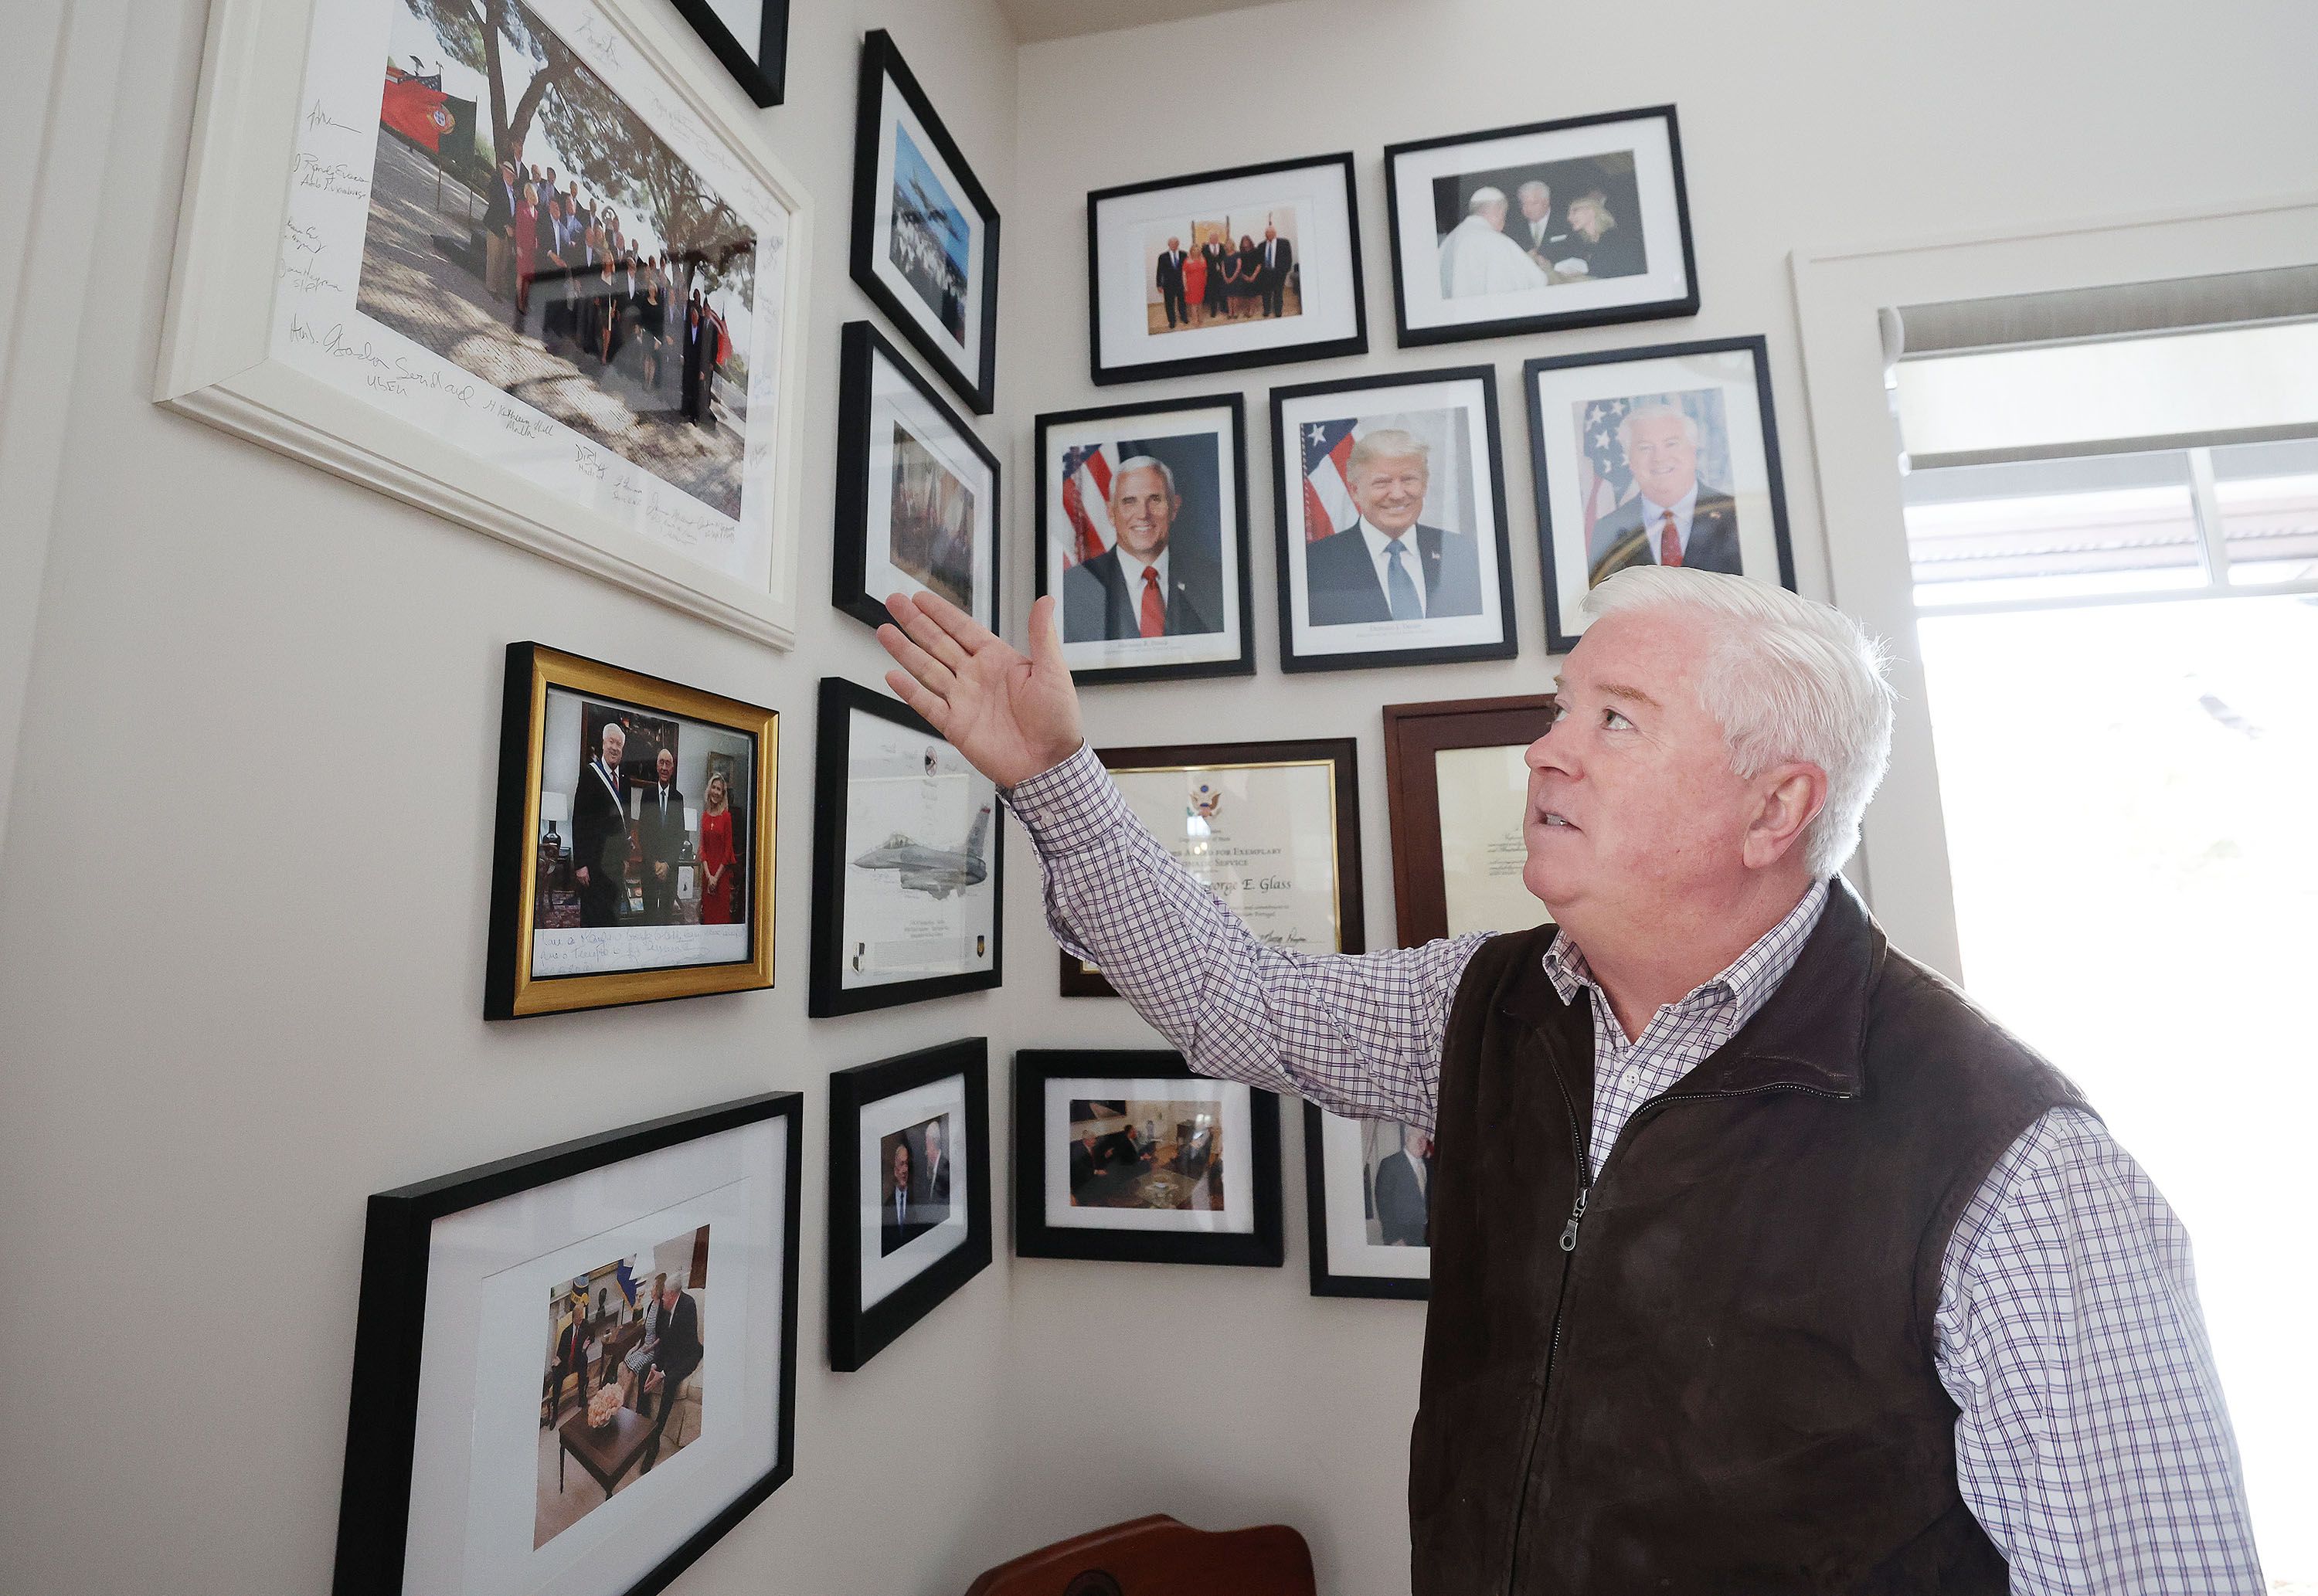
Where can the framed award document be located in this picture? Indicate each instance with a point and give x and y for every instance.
(1457, 787)
(906, 860)
(1272, 828)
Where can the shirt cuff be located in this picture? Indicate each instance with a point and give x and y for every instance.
(1070, 806)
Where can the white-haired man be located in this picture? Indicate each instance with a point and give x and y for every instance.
(1149, 583)
(1761, 1260)
(1477, 258)
(1673, 518)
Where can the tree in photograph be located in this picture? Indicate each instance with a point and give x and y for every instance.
(479, 35)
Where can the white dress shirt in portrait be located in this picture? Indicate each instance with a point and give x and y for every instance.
(1381, 556)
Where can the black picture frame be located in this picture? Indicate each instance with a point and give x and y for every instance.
(512, 990)
(1244, 664)
(762, 70)
(857, 1334)
(1341, 753)
(382, 1409)
(1284, 473)
(1325, 1282)
(1682, 304)
(861, 346)
(1558, 638)
(1263, 1247)
(827, 995)
(1106, 375)
(882, 64)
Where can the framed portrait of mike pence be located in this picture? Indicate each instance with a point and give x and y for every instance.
(1271, 829)
(1665, 456)
(907, 859)
(634, 859)
(1142, 536)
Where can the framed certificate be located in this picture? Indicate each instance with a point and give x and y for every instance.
(1272, 828)
(907, 851)
(1456, 788)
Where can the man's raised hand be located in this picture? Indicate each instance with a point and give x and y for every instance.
(1010, 715)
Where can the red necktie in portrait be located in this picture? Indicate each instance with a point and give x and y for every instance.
(1154, 604)
(1670, 543)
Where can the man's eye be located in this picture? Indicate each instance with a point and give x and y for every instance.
(1616, 721)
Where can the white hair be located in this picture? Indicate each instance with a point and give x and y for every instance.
(1626, 423)
(1786, 678)
(1534, 187)
(1144, 462)
(1483, 197)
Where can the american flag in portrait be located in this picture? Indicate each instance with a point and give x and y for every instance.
(1328, 505)
(1086, 500)
(1606, 483)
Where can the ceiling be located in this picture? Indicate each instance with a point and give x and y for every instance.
(1034, 20)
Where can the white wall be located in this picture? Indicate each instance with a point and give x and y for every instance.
(240, 965)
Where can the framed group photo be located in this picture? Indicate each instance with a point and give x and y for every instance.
(575, 1370)
(909, 1192)
(1271, 829)
(1536, 228)
(1142, 535)
(1367, 1187)
(1665, 456)
(917, 490)
(505, 262)
(634, 859)
(907, 856)
(1220, 271)
(750, 37)
(925, 233)
(1128, 1156)
(1390, 521)
(1457, 789)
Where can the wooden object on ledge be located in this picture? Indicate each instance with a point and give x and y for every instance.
(1160, 1556)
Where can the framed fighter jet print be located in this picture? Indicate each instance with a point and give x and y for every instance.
(907, 849)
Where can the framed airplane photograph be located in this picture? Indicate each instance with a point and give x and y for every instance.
(908, 857)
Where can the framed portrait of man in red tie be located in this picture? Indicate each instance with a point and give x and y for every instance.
(1660, 456)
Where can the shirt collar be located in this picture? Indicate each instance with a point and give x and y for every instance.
(1749, 981)
(1132, 568)
(1683, 508)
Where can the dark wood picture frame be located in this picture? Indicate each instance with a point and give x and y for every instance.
(1324, 1282)
(1356, 343)
(1264, 1247)
(827, 995)
(861, 346)
(1413, 734)
(1556, 641)
(1287, 540)
(882, 64)
(1237, 490)
(762, 69)
(1341, 752)
(1685, 304)
(510, 990)
(382, 1410)
(857, 1334)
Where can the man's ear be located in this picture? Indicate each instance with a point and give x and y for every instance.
(1790, 796)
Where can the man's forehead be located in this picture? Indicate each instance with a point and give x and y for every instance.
(1641, 655)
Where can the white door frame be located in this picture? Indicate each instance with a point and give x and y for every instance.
(1837, 293)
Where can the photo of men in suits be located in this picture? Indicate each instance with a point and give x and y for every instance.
(1274, 259)
(1211, 272)
(1150, 582)
(1389, 565)
(676, 1355)
(1672, 517)
(1170, 281)
(902, 1218)
(661, 830)
(1400, 1191)
(599, 833)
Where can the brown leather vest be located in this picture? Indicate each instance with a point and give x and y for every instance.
(1720, 1378)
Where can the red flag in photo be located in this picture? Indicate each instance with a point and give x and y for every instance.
(414, 110)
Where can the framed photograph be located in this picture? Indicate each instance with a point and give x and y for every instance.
(907, 856)
(750, 37)
(1665, 456)
(909, 1192)
(1254, 267)
(500, 260)
(1128, 1156)
(917, 491)
(925, 235)
(1390, 516)
(1368, 1186)
(1272, 828)
(1142, 534)
(1458, 791)
(634, 853)
(575, 1370)
(1531, 229)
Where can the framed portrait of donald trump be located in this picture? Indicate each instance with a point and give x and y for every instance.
(1391, 521)
(1668, 456)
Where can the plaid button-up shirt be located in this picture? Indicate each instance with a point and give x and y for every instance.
(2091, 1442)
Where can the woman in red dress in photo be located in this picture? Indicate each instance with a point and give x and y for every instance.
(526, 244)
(716, 857)
(1195, 283)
